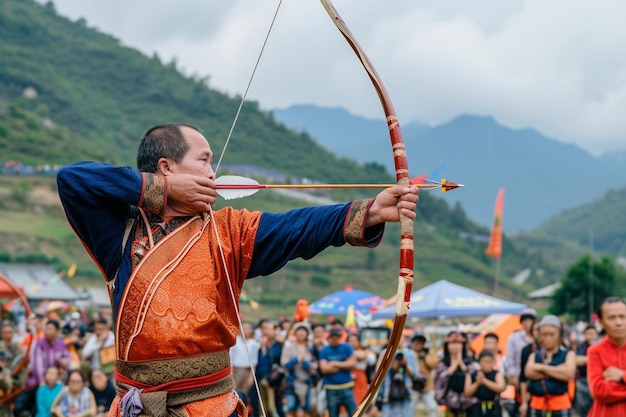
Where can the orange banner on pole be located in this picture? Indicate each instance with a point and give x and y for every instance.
(494, 249)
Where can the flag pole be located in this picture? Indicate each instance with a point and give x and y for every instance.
(494, 247)
(496, 278)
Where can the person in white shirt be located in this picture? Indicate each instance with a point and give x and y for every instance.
(243, 356)
(101, 338)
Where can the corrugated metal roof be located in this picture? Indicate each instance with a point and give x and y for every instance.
(40, 282)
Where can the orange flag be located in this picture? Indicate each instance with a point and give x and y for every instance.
(494, 249)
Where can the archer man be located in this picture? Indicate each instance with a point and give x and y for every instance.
(173, 266)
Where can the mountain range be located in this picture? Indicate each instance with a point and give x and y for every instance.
(541, 176)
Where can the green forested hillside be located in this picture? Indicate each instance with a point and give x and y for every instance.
(599, 226)
(109, 94)
(88, 97)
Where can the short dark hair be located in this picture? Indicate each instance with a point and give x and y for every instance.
(492, 335)
(102, 320)
(162, 141)
(53, 322)
(609, 300)
(316, 325)
(336, 322)
(590, 327)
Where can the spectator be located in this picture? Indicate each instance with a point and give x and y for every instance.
(47, 352)
(550, 371)
(8, 345)
(486, 385)
(244, 355)
(269, 359)
(360, 370)
(318, 343)
(514, 347)
(583, 400)
(103, 391)
(336, 363)
(301, 367)
(47, 392)
(74, 343)
(427, 361)
(75, 399)
(6, 385)
(528, 350)
(75, 322)
(35, 325)
(606, 363)
(101, 342)
(450, 376)
(395, 392)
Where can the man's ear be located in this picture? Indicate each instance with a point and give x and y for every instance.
(164, 166)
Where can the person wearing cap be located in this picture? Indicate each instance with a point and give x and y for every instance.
(550, 372)
(427, 360)
(514, 347)
(336, 363)
(450, 376)
(606, 363)
(301, 367)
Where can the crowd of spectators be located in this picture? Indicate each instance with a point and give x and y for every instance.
(308, 369)
(68, 371)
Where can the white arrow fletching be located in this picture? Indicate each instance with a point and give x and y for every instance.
(233, 193)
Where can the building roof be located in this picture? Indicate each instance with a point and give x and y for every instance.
(545, 292)
(40, 282)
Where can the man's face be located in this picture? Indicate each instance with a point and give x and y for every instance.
(334, 340)
(318, 333)
(7, 334)
(614, 320)
(51, 332)
(527, 324)
(591, 335)
(268, 330)
(491, 344)
(199, 157)
(417, 345)
(100, 328)
(550, 337)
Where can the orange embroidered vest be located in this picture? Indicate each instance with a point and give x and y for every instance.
(177, 301)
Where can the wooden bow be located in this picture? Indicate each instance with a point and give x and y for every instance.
(405, 279)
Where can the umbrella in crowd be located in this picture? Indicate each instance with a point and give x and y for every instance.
(445, 299)
(56, 305)
(340, 302)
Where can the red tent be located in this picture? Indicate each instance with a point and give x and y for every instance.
(12, 291)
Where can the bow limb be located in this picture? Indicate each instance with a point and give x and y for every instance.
(405, 279)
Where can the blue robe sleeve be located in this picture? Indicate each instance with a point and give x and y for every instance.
(97, 199)
(303, 233)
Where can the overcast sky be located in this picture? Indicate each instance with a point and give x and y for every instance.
(555, 65)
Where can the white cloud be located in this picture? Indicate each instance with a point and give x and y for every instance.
(556, 66)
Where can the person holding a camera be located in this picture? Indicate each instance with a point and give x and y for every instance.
(395, 392)
(423, 382)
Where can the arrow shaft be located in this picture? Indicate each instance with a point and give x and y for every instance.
(261, 186)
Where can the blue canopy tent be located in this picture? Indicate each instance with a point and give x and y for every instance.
(445, 299)
(339, 302)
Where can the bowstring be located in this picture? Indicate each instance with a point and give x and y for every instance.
(245, 93)
(219, 243)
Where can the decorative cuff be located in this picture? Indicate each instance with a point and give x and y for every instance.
(354, 231)
(154, 193)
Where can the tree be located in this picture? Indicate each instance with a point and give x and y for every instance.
(572, 298)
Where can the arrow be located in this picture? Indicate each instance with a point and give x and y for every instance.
(232, 186)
